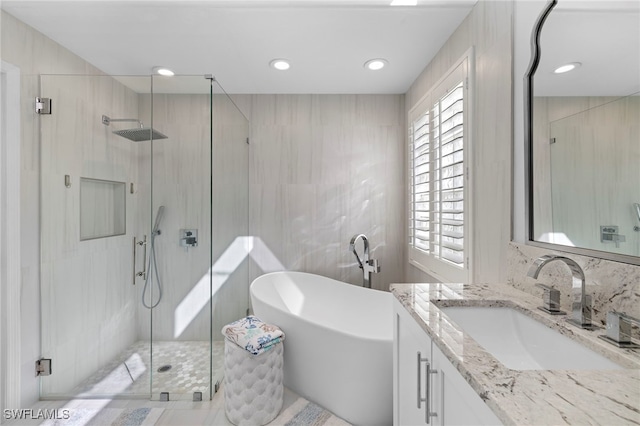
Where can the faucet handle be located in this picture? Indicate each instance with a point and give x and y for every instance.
(618, 331)
(373, 266)
(625, 317)
(551, 300)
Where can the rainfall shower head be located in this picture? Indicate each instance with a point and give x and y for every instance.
(138, 134)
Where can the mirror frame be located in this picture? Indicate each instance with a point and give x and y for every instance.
(528, 136)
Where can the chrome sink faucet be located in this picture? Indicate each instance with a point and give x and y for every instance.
(368, 266)
(581, 303)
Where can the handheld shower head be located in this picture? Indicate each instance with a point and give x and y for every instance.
(156, 226)
(637, 206)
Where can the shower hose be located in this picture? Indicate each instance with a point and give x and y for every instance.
(152, 258)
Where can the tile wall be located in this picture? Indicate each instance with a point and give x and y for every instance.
(322, 169)
(182, 176)
(34, 54)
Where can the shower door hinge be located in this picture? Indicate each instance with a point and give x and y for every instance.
(247, 141)
(43, 367)
(43, 106)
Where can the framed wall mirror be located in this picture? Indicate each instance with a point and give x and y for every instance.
(582, 103)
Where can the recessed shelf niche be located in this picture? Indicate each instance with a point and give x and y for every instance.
(102, 208)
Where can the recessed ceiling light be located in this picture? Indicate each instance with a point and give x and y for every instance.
(163, 71)
(404, 2)
(280, 64)
(567, 67)
(375, 64)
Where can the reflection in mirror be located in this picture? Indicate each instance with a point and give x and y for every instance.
(585, 130)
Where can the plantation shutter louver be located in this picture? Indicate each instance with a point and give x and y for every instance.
(449, 178)
(437, 179)
(420, 191)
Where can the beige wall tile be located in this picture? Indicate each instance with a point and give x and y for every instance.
(323, 173)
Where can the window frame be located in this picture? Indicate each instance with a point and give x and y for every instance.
(444, 271)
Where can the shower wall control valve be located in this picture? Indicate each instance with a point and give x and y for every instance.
(189, 238)
(609, 234)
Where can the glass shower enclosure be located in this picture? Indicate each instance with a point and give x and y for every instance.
(144, 217)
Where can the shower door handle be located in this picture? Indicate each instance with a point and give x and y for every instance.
(134, 260)
(142, 273)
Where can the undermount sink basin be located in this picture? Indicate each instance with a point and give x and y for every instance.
(521, 343)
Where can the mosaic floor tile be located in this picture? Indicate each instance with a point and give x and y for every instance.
(135, 370)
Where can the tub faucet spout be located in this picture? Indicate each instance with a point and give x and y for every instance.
(581, 303)
(368, 266)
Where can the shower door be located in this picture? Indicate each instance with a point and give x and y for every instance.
(144, 244)
(94, 200)
(198, 270)
(232, 244)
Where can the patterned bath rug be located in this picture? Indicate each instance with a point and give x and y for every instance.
(108, 416)
(305, 413)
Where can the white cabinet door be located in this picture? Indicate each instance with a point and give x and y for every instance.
(455, 402)
(412, 352)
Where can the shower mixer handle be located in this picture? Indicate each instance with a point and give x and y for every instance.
(372, 266)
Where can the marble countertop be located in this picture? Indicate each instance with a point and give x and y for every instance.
(527, 397)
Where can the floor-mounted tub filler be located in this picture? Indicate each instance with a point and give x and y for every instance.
(338, 352)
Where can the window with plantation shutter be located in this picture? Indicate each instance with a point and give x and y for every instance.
(438, 179)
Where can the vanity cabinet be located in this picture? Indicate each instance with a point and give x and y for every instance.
(412, 351)
(424, 379)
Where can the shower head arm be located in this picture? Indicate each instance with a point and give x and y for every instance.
(107, 120)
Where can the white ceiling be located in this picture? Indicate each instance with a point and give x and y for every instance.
(326, 41)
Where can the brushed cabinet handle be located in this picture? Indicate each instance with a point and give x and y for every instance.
(420, 360)
(428, 413)
(427, 377)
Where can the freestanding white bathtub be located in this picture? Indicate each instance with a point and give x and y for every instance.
(338, 347)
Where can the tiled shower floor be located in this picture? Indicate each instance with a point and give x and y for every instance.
(129, 373)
